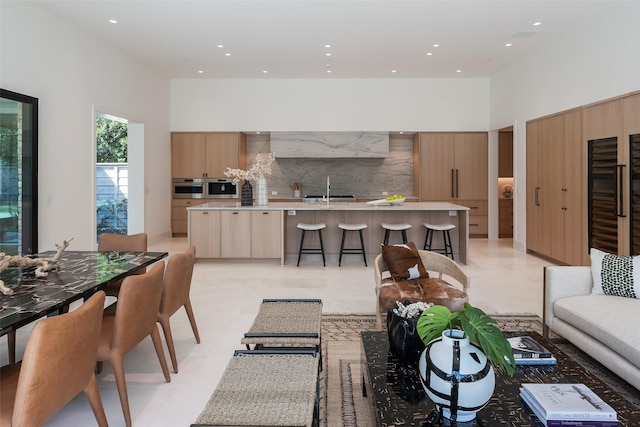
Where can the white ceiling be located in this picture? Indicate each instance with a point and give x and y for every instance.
(368, 39)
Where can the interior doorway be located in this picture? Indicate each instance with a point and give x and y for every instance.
(505, 182)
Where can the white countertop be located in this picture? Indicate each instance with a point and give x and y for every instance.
(336, 206)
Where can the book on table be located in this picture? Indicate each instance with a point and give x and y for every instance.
(568, 405)
(527, 351)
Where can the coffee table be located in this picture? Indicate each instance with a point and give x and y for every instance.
(396, 395)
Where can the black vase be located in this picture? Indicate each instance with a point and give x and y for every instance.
(247, 194)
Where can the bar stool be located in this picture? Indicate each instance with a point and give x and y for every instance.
(395, 227)
(311, 227)
(445, 228)
(343, 250)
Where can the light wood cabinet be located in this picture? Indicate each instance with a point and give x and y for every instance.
(266, 234)
(179, 214)
(505, 154)
(505, 219)
(235, 234)
(206, 154)
(555, 180)
(205, 233)
(453, 166)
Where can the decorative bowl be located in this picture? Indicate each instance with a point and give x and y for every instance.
(396, 202)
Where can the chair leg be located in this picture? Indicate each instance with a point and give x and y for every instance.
(344, 234)
(426, 241)
(157, 343)
(324, 264)
(192, 319)
(430, 239)
(447, 244)
(404, 237)
(300, 250)
(118, 370)
(168, 337)
(364, 255)
(386, 237)
(93, 396)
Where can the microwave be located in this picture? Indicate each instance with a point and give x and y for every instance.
(187, 188)
(221, 188)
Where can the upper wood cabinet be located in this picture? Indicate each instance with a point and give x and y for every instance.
(505, 154)
(206, 154)
(451, 166)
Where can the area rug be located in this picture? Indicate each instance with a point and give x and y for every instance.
(341, 400)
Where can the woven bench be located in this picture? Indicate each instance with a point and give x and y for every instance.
(265, 388)
(286, 323)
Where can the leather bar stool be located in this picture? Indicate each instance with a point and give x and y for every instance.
(388, 228)
(311, 227)
(445, 228)
(352, 227)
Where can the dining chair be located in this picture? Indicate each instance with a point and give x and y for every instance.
(122, 243)
(58, 364)
(136, 312)
(175, 294)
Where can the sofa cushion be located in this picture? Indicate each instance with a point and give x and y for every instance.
(609, 319)
(403, 261)
(615, 274)
(430, 290)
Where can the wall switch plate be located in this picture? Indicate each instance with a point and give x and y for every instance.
(385, 193)
(291, 213)
(453, 213)
(274, 193)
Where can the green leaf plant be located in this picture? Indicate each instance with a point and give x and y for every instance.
(480, 328)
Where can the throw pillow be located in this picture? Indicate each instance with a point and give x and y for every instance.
(403, 261)
(615, 274)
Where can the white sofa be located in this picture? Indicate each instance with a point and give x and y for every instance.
(603, 326)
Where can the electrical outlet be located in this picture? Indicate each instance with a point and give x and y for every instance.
(385, 193)
(291, 213)
(453, 213)
(274, 193)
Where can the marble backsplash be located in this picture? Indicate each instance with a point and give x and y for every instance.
(363, 178)
(330, 144)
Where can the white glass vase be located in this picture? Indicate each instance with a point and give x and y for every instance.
(262, 197)
(457, 376)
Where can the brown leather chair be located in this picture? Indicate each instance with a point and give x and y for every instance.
(177, 285)
(58, 364)
(122, 243)
(135, 318)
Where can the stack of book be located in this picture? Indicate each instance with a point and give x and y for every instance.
(527, 351)
(568, 405)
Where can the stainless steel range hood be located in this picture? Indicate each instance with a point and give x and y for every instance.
(330, 144)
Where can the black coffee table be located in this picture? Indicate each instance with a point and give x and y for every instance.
(398, 399)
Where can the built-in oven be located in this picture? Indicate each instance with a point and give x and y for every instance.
(221, 188)
(185, 188)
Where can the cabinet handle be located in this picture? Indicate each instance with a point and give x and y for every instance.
(452, 184)
(619, 192)
(235, 213)
(265, 213)
(205, 213)
(457, 183)
(536, 200)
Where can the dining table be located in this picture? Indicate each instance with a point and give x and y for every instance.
(79, 275)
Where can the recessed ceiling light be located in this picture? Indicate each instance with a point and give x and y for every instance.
(537, 23)
(227, 54)
(393, 71)
(458, 71)
(265, 71)
(327, 45)
(328, 71)
(436, 45)
(429, 53)
(113, 21)
(327, 54)
(509, 44)
(401, 133)
(258, 132)
(220, 45)
(200, 72)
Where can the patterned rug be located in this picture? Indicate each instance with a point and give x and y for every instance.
(341, 400)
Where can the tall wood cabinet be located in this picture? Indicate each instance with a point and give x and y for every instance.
(453, 166)
(555, 187)
(205, 154)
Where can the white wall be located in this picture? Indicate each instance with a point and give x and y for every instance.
(597, 61)
(330, 105)
(72, 73)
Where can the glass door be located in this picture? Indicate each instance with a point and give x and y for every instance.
(605, 200)
(18, 173)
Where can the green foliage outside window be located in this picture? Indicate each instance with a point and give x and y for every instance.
(111, 141)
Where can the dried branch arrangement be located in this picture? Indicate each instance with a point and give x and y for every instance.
(45, 265)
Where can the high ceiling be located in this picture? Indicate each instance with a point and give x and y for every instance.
(266, 39)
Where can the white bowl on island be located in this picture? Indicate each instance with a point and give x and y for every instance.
(393, 202)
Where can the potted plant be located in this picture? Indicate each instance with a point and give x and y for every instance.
(456, 366)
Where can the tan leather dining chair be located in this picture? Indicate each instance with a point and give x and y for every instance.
(122, 243)
(58, 364)
(177, 285)
(134, 319)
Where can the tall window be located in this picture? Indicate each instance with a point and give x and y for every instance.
(18, 173)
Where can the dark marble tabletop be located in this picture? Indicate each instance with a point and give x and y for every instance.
(399, 400)
(80, 274)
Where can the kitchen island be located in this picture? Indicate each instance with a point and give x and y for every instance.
(231, 231)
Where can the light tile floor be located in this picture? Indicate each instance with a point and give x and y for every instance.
(226, 297)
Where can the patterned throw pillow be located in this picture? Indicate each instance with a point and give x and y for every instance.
(615, 274)
(404, 261)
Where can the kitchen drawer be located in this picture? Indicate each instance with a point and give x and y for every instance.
(476, 207)
(478, 225)
(179, 214)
